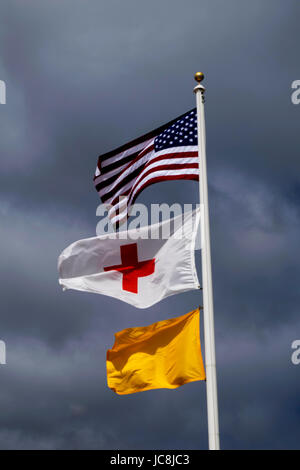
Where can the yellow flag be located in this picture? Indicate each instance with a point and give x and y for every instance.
(166, 354)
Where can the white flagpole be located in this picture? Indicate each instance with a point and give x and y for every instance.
(208, 308)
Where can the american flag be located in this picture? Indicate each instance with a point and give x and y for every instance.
(167, 153)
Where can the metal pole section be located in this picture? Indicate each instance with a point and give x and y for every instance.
(208, 308)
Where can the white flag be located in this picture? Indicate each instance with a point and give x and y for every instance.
(141, 269)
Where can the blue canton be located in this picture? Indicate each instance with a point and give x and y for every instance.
(180, 134)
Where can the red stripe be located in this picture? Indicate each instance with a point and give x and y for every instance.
(159, 179)
(126, 178)
(116, 200)
(142, 168)
(117, 163)
(171, 156)
(172, 166)
(143, 138)
(134, 157)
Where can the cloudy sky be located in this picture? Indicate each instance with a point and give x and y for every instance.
(82, 78)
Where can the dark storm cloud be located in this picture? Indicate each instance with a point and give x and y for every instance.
(82, 78)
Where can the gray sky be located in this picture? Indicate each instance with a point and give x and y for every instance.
(82, 78)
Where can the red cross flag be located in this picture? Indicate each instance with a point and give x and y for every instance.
(140, 267)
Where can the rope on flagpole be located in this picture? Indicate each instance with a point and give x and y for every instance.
(208, 309)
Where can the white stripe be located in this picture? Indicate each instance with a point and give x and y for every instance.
(122, 190)
(155, 174)
(148, 156)
(114, 172)
(125, 173)
(123, 210)
(126, 153)
(121, 204)
(169, 161)
(155, 164)
(188, 148)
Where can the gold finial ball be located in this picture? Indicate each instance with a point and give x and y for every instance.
(199, 76)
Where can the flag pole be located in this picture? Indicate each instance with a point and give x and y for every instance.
(208, 308)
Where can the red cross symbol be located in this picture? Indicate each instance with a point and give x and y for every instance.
(132, 268)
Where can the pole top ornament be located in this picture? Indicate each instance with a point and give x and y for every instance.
(199, 76)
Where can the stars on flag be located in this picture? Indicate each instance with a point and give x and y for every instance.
(182, 133)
